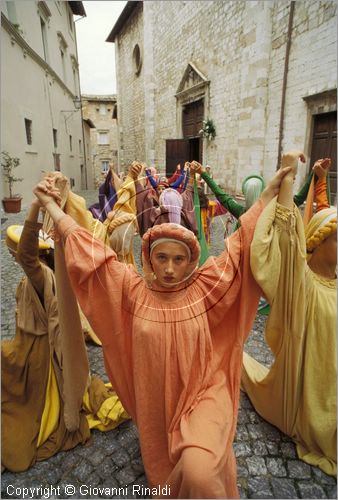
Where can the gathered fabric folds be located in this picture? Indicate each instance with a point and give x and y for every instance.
(301, 332)
(27, 361)
(174, 358)
(35, 383)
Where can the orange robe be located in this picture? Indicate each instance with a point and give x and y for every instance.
(175, 358)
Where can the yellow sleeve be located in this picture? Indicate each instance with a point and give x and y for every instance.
(126, 197)
(76, 208)
(278, 263)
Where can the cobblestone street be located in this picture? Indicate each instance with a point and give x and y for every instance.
(267, 462)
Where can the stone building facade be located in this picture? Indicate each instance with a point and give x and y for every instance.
(100, 110)
(40, 105)
(263, 72)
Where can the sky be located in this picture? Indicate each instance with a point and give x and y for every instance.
(96, 56)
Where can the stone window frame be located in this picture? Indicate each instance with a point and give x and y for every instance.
(100, 133)
(106, 162)
(44, 11)
(190, 95)
(318, 103)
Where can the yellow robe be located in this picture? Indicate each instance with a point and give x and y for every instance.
(117, 230)
(34, 380)
(298, 393)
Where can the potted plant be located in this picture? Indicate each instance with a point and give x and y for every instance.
(11, 204)
(208, 130)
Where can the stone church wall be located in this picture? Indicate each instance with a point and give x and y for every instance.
(130, 91)
(240, 48)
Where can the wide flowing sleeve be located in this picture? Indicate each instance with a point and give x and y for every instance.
(228, 282)
(100, 282)
(188, 209)
(28, 255)
(144, 207)
(300, 197)
(126, 197)
(226, 200)
(321, 195)
(76, 208)
(104, 288)
(278, 263)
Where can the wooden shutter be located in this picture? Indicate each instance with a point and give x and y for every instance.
(192, 119)
(324, 145)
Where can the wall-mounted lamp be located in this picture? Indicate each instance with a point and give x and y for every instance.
(77, 102)
(77, 105)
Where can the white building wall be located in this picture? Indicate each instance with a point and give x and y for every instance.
(36, 91)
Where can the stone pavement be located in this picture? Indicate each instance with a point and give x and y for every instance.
(111, 465)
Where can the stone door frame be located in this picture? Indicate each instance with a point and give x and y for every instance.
(193, 86)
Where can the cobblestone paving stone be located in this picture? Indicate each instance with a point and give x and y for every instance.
(267, 461)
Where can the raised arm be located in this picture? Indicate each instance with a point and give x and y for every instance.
(243, 237)
(49, 197)
(180, 179)
(151, 178)
(175, 175)
(276, 249)
(87, 258)
(188, 200)
(321, 169)
(300, 197)
(28, 249)
(321, 193)
(236, 209)
(290, 159)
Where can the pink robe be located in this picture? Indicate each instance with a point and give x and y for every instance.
(174, 358)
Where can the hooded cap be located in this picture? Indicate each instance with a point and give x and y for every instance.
(252, 188)
(172, 201)
(13, 235)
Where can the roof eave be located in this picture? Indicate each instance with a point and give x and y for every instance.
(77, 8)
(89, 123)
(124, 16)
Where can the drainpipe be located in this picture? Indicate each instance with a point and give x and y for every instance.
(285, 78)
(80, 96)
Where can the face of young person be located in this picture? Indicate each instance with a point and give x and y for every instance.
(170, 262)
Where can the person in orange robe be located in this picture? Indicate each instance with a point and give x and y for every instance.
(172, 342)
